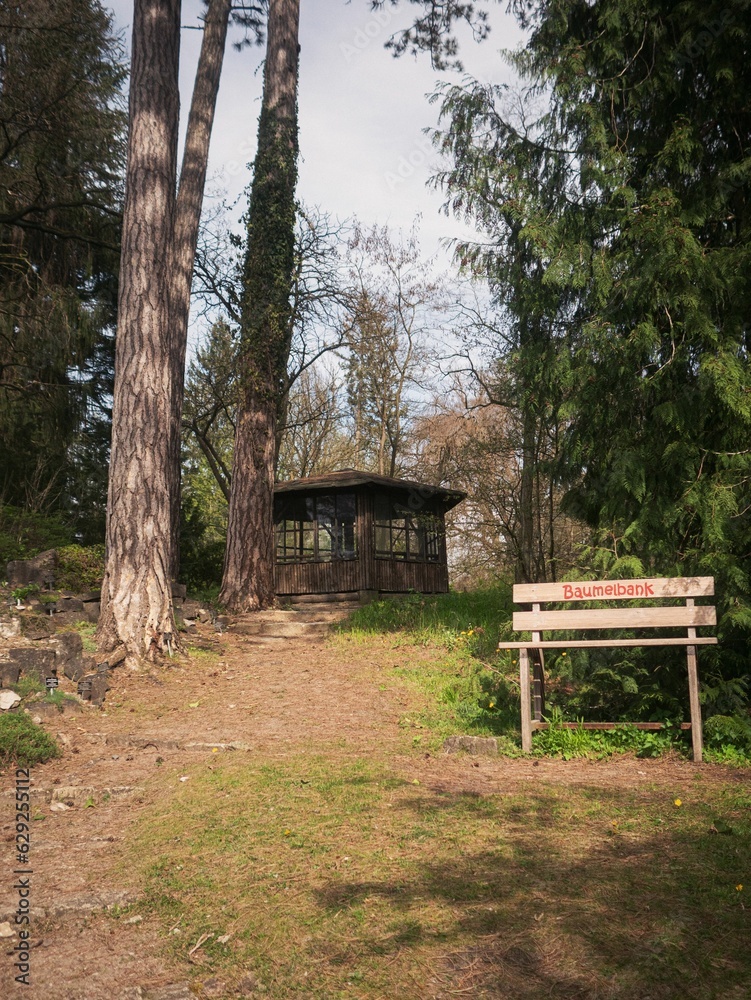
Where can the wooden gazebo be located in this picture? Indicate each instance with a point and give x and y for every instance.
(357, 532)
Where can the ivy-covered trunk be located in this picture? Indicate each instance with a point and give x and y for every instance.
(248, 579)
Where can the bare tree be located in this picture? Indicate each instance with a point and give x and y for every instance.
(390, 344)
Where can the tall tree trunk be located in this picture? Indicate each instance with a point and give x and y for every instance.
(185, 238)
(248, 580)
(136, 592)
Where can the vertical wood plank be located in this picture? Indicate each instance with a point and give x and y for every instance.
(524, 699)
(697, 740)
(538, 678)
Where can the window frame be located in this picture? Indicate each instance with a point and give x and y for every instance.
(303, 536)
(406, 536)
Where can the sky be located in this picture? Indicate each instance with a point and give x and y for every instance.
(361, 112)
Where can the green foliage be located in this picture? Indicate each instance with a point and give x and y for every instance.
(728, 739)
(28, 684)
(615, 221)
(557, 741)
(24, 743)
(201, 536)
(60, 191)
(269, 257)
(25, 533)
(80, 568)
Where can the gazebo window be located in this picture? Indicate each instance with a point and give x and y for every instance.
(402, 534)
(317, 528)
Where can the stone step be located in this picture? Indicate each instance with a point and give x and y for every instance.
(333, 612)
(322, 598)
(283, 629)
(306, 613)
(79, 905)
(81, 793)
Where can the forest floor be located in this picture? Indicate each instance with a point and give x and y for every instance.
(256, 820)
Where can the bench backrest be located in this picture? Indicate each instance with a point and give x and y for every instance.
(643, 616)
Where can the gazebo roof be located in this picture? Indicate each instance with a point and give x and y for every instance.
(352, 477)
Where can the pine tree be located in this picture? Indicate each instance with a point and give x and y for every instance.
(61, 158)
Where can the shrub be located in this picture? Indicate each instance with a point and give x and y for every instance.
(23, 742)
(25, 533)
(80, 567)
(724, 731)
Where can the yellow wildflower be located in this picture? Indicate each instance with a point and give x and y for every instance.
(677, 802)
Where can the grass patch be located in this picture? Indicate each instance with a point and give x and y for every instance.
(87, 631)
(28, 684)
(23, 742)
(339, 877)
(472, 620)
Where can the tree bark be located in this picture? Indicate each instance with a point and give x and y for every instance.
(185, 237)
(248, 579)
(136, 592)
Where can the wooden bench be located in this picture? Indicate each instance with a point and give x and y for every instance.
(650, 615)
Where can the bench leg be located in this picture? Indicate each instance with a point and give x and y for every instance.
(538, 684)
(693, 697)
(525, 700)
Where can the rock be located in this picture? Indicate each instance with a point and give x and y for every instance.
(9, 700)
(33, 661)
(114, 659)
(68, 647)
(247, 986)
(68, 604)
(9, 674)
(179, 590)
(62, 618)
(39, 570)
(204, 615)
(46, 709)
(180, 991)
(37, 627)
(6, 931)
(214, 987)
(10, 628)
(93, 687)
(74, 670)
(92, 611)
(191, 608)
(92, 595)
(472, 744)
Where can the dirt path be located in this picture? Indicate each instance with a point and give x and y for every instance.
(266, 701)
